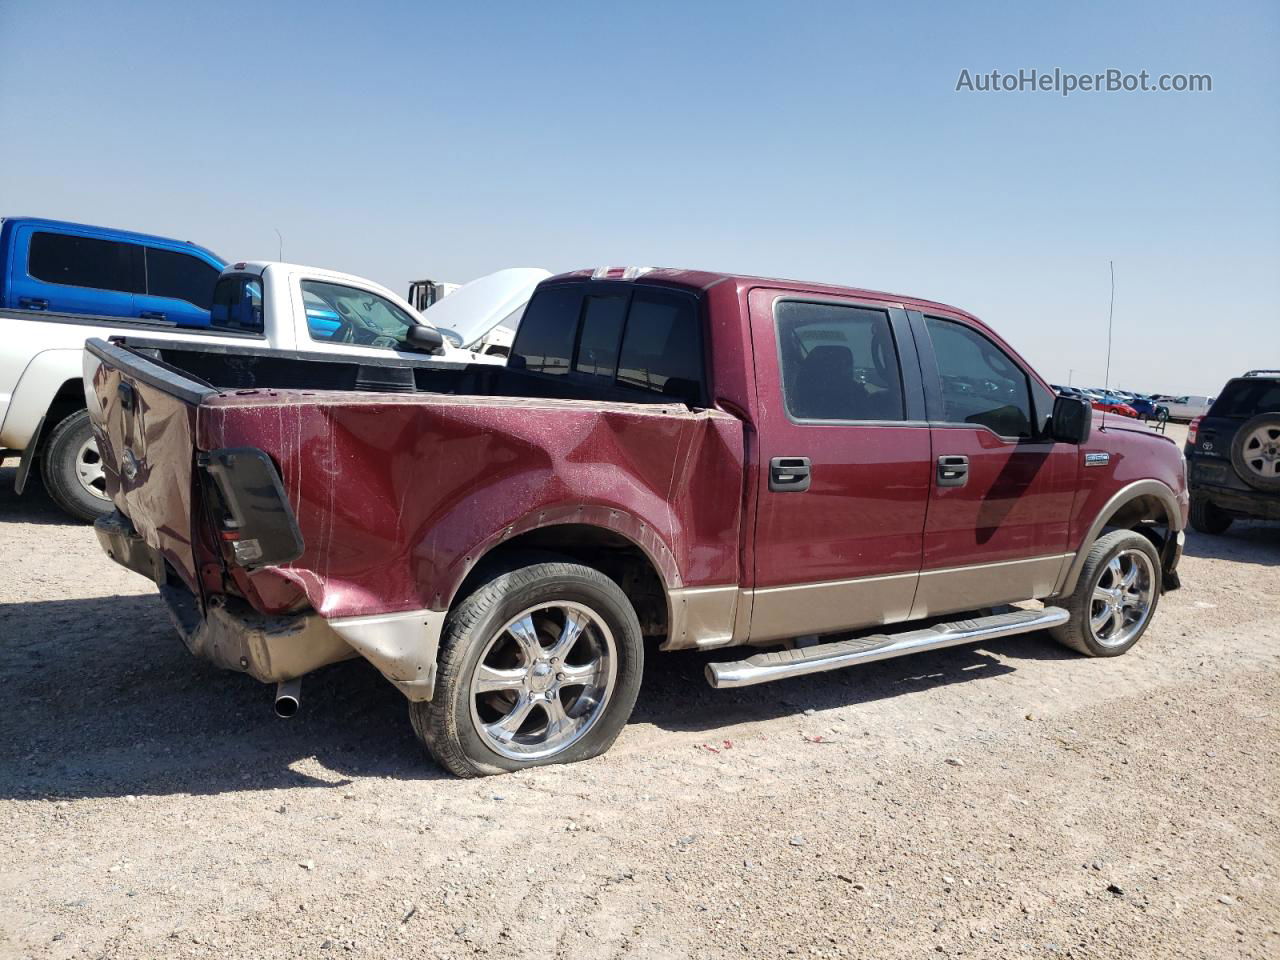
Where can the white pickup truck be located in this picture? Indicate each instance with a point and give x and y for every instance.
(264, 305)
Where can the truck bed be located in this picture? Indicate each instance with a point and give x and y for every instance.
(397, 475)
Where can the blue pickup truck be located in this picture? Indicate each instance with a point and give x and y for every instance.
(70, 268)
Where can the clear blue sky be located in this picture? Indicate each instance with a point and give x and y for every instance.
(816, 141)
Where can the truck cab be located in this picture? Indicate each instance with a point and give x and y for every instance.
(56, 267)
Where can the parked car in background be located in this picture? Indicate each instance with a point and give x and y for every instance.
(1185, 407)
(1147, 408)
(265, 307)
(57, 268)
(488, 331)
(704, 459)
(1233, 454)
(1111, 403)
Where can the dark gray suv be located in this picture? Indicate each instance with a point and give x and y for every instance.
(1233, 454)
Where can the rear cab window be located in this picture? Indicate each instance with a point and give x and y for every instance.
(237, 304)
(637, 343)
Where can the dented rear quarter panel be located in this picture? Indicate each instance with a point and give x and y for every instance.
(399, 497)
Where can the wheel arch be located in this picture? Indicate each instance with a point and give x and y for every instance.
(1147, 506)
(619, 545)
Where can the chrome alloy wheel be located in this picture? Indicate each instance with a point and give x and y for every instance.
(1122, 598)
(89, 469)
(543, 680)
(1261, 451)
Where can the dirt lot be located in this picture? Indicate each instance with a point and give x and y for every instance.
(1005, 800)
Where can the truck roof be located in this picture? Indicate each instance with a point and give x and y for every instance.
(699, 280)
(130, 235)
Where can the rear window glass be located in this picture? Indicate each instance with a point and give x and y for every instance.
(602, 321)
(180, 276)
(544, 342)
(85, 262)
(1247, 398)
(662, 346)
(237, 304)
(628, 337)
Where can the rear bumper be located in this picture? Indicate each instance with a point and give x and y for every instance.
(232, 635)
(1243, 503)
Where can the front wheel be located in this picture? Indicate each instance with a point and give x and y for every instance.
(1115, 596)
(539, 665)
(72, 469)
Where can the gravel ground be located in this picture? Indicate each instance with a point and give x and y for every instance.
(1005, 800)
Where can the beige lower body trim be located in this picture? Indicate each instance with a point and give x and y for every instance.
(401, 645)
(701, 617)
(987, 584)
(778, 613)
(707, 617)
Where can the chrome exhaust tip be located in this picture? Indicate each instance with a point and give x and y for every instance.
(288, 696)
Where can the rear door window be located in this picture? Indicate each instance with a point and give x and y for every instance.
(86, 262)
(981, 384)
(237, 304)
(838, 362)
(180, 276)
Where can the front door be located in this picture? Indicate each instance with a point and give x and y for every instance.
(1002, 489)
(844, 465)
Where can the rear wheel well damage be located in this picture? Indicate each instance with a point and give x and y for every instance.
(614, 555)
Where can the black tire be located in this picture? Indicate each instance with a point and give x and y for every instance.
(59, 469)
(1206, 518)
(1077, 633)
(1245, 460)
(447, 724)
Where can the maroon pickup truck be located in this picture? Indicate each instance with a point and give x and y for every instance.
(699, 459)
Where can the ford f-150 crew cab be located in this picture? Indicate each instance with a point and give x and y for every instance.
(274, 306)
(701, 459)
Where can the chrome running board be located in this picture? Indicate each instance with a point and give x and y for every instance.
(781, 664)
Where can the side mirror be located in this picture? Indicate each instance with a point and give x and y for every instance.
(424, 338)
(1072, 420)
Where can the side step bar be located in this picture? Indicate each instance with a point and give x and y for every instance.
(781, 664)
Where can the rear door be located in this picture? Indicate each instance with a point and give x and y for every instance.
(844, 463)
(68, 272)
(1002, 490)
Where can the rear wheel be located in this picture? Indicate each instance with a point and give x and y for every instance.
(72, 469)
(540, 665)
(1115, 597)
(1206, 518)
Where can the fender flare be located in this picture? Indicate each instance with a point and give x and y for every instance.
(1121, 498)
(44, 375)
